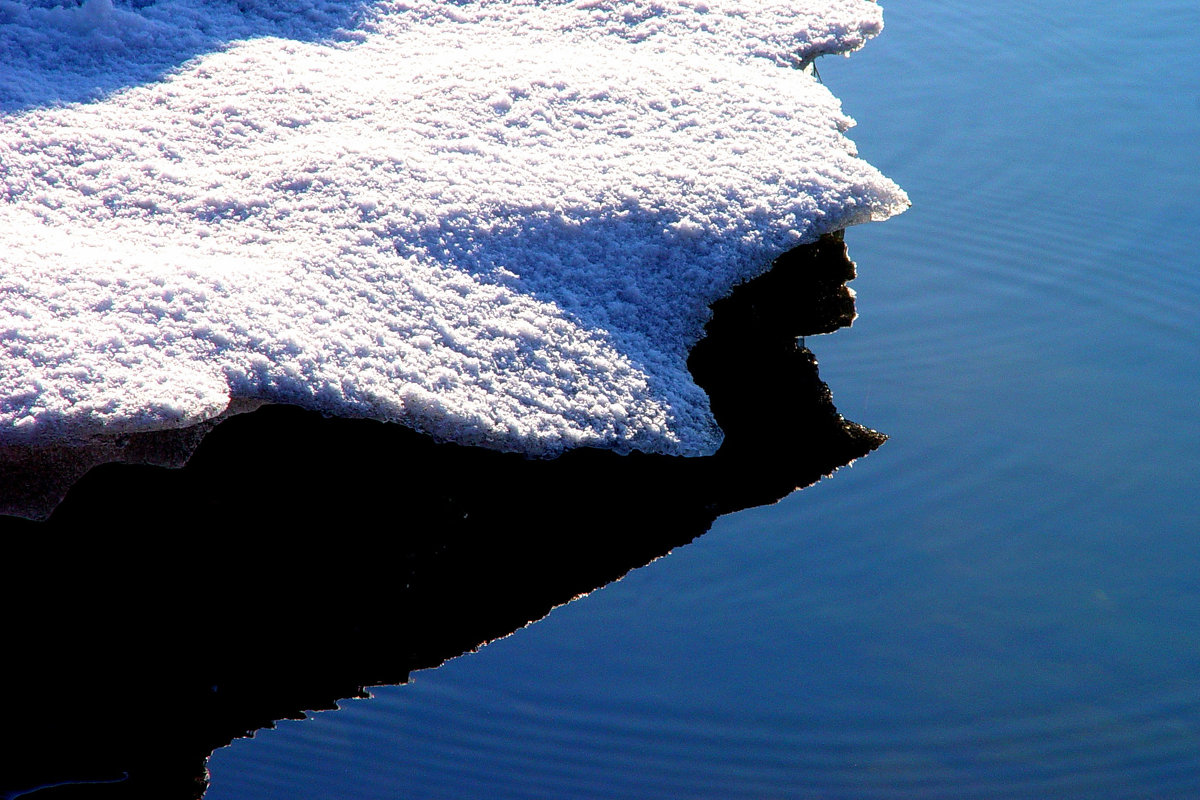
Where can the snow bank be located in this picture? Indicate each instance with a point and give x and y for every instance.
(500, 222)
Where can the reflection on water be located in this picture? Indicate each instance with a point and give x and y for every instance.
(1002, 602)
(296, 559)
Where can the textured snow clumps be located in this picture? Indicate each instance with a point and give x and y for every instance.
(500, 222)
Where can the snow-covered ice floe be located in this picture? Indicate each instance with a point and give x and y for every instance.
(500, 222)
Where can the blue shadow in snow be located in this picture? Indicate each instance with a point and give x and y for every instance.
(54, 52)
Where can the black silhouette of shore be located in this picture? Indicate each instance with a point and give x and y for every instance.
(159, 613)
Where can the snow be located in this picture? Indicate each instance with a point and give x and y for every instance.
(499, 222)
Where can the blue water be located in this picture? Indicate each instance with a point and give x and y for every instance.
(1004, 600)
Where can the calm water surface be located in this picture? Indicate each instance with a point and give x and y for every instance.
(1004, 601)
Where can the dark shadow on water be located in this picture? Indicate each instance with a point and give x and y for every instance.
(160, 613)
(69, 51)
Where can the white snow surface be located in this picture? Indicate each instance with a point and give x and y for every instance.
(500, 222)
